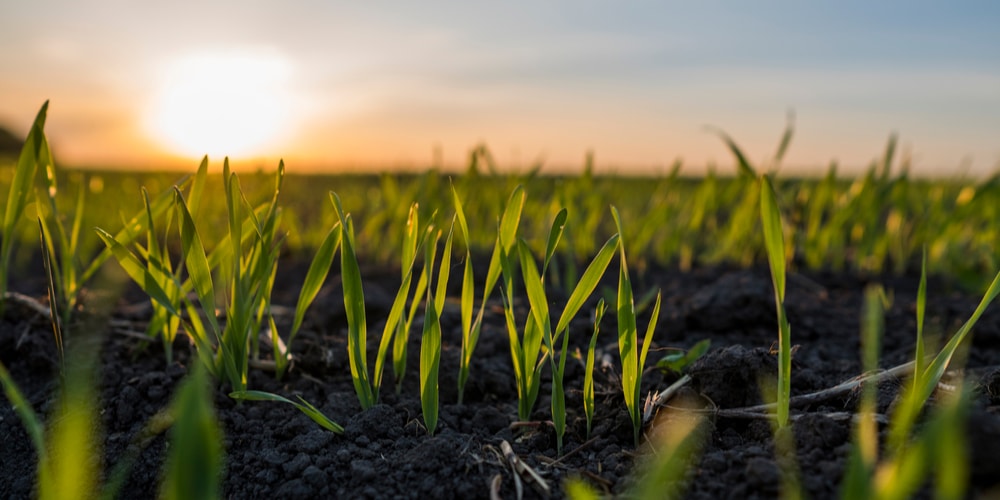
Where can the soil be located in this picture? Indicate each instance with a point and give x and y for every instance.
(273, 451)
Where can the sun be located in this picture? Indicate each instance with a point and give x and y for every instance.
(234, 103)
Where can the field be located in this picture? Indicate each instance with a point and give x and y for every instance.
(491, 335)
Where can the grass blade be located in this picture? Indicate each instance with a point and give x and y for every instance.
(195, 455)
(774, 244)
(135, 270)
(354, 305)
(194, 256)
(587, 283)
(302, 405)
(588, 375)
(29, 419)
(555, 233)
(318, 270)
(17, 196)
(746, 170)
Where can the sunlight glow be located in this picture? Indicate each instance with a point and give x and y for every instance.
(235, 103)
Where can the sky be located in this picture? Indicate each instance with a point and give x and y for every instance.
(404, 85)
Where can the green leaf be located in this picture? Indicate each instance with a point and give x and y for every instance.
(135, 270)
(588, 282)
(774, 240)
(195, 455)
(511, 218)
(29, 419)
(745, 169)
(319, 268)
(430, 360)
(588, 376)
(677, 362)
(921, 310)
(354, 306)
(303, 406)
(555, 233)
(196, 260)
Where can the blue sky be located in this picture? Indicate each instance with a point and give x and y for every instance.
(384, 84)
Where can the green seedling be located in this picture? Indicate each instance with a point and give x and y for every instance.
(535, 287)
(354, 305)
(678, 361)
(471, 328)
(588, 374)
(864, 452)
(194, 461)
(774, 244)
(430, 340)
(302, 405)
(414, 242)
(35, 148)
(633, 360)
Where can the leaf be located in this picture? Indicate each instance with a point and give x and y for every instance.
(319, 268)
(555, 233)
(511, 218)
(354, 306)
(196, 260)
(587, 283)
(774, 241)
(677, 362)
(304, 406)
(745, 169)
(195, 455)
(135, 270)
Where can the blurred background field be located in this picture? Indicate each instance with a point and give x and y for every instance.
(875, 223)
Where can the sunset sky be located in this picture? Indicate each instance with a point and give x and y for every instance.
(373, 85)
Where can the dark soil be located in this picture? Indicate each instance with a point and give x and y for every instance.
(273, 451)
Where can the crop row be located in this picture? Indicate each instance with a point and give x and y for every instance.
(216, 286)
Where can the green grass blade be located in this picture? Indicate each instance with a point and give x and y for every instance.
(647, 340)
(50, 266)
(933, 373)
(394, 323)
(587, 283)
(29, 419)
(199, 270)
(511, 219)
(135, 270)
(354, 306)
(627, 332)
(588, 375)
(864, 450)
(786, 138)
(444, 271)
(774, 240)
(195, 455)
(430, 361)
(18, 194)
(302, 405)
(677, 448)
(535, 288)
(921, 311)
(318, 270)
(746, 170)
(555, 234)
(774, 244)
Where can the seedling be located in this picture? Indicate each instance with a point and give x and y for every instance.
(774, 244)
(632, 359)
(302, 405)
(35, 148)
(678, 361)
(588, 374)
